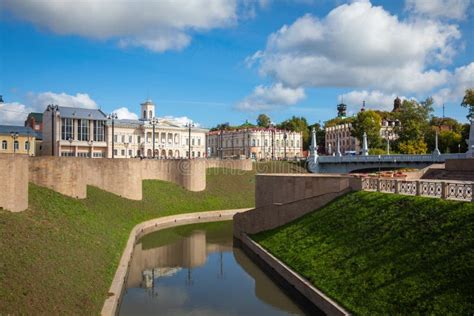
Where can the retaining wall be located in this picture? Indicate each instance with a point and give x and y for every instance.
(70, 176)
(460, 164)
(13, 182)
(280, 199)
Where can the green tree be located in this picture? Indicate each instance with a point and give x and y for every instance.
(414, 120)
(368, 122)
(297, 124)
(468, 101)
(263, 120)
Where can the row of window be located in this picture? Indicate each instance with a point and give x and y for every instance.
(256, 143)
(81, 154)
(163, 153)
(83, 127)
(149, 138)
(16, 145)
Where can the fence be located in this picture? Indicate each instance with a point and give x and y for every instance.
(449, 190)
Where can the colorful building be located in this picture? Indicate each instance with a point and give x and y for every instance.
(17, 140)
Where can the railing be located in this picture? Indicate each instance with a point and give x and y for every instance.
(389, 158)
(449, 190)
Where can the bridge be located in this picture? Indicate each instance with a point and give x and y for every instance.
(364, 162)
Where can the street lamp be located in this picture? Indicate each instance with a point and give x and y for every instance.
(54, 111)
(70, 145)
(90, 142)
(285, 136)
(189, 125)
(153, 123)
(113, 117)
(14, 135)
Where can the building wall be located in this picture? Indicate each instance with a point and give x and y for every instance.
(14, 182)
(22, 140)
(255, 143)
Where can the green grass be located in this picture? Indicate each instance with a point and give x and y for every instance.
(384, 254)
(59, 256)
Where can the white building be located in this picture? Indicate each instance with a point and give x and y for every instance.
(257, 143)
(82, 132)
(134, 138)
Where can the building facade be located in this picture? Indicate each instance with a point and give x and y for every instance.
(17, 140)
(172, 140)
(256, 143)
(35, 121)
(74, 132)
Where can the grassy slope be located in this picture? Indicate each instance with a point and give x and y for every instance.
(60, 255)
(385, 254)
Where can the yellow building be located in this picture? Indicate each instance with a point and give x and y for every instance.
(17, 140)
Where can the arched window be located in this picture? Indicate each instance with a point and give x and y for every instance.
(170, 153)
(27, 145)
(253, 142)
(4, 145)
(176, 154)
(150, 114)
(176, 138)
(16, 145)
(144, 114)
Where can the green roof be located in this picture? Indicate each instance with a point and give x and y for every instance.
(37, 116)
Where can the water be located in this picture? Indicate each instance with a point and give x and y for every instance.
(194, 270)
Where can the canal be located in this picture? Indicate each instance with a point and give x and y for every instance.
(195, 270)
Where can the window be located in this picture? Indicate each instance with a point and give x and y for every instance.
(187, 141)
(144, 114)
(150, 113)
(122, 152)
(115, 152)
(83, 130)
(97, 155)
(16, 145)
(170, 138)
(193, 153)
(115, 138)
(4, 145)
(266, 143)
(176, 138)
(123, 138)
(199, 142)
(130, 153)
(99, 131)
(253, 142)
(130, 139)
(139, 139)
(66, 129)
(192, 141)
(27, 145)
(199, 154)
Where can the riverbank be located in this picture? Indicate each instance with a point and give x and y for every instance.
(378, 253)
(59, 256)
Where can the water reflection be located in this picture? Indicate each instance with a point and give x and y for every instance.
(195, 270)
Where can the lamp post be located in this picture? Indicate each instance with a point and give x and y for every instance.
(113, 117)
(272, 130)
(14, 135)
(90, 142)
(54, 110)
(70, 145)
(153, 123)
(189, 125)
(285, 136)
(388, 134)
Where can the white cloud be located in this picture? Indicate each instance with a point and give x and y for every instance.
(179, 120)
(13, 113)
(40, 101)
(359, 45)
(157, 25)
(461, 79)
(451, 9)
(271, 97)
(374, 100)
(124, 114)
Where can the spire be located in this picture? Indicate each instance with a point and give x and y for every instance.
(365, 149)
(314, 144)
(363, 106)
(436, 150)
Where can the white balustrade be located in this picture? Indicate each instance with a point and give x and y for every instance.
(450, 190)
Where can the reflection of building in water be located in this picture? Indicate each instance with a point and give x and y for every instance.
(188, 252)
(149, 275)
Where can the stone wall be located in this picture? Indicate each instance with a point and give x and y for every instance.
(70, 176)
(460, 164)
(14, 182)
(280, 199)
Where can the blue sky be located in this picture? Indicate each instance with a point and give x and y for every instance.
(223, 61)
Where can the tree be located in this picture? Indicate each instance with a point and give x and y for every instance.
(468, 101)
(297, 124)
(368, 122)
(413, 146)
(263, 120)
(414, 124)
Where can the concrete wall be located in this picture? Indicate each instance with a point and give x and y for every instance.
(13, 182)
(70, 176)
(460, 164)
(280, 199)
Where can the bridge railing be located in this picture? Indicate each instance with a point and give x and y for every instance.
(448, 190)
(389, 158)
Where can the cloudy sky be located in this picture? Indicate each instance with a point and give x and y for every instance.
(220, 61)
